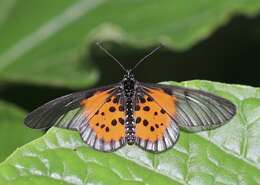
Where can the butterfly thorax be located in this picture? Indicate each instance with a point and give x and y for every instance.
(128, 85)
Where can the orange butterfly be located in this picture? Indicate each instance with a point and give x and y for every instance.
(132, 112)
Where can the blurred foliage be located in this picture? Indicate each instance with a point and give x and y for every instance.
(227, 155)
(43, 42)
(12, 132)
(47, 49)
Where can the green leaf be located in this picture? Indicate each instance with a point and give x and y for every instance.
(13, 133)
(227, 155)
(48, 41)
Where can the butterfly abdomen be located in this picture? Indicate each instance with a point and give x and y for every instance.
(130, 122)
(129, 93)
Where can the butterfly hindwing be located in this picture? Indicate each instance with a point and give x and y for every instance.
(105, 129)
(155, 130)
(194, 110)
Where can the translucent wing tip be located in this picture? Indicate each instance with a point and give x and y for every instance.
(232, 110)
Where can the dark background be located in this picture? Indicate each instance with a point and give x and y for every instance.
(231, 55)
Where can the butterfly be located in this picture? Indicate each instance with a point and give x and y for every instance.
(134, 113)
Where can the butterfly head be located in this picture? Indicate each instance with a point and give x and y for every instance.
(128, 82)
(129, 76)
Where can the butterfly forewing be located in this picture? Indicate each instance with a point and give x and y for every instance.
(194, 109)
(75, 118)
(48, 114)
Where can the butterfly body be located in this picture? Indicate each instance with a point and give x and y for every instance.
(129, 91)
(133, 112)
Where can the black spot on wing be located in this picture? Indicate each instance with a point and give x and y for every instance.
(137, 108)
(149, 98)
(152, 128)
(121, 108)
(112, 109)
(146, 108)
(121, 120)
(142, 99)
(138, 120)
(145, 122)
(114, 122)
(163, 111)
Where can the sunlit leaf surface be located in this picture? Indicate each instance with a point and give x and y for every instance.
(13, 133)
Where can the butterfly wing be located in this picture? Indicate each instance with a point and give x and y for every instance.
(155, 129)
(195, 109)
(105, 129)
(177, 107)
(79, 111)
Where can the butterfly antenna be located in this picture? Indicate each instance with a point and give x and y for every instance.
(111, 56)
(148, 55)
